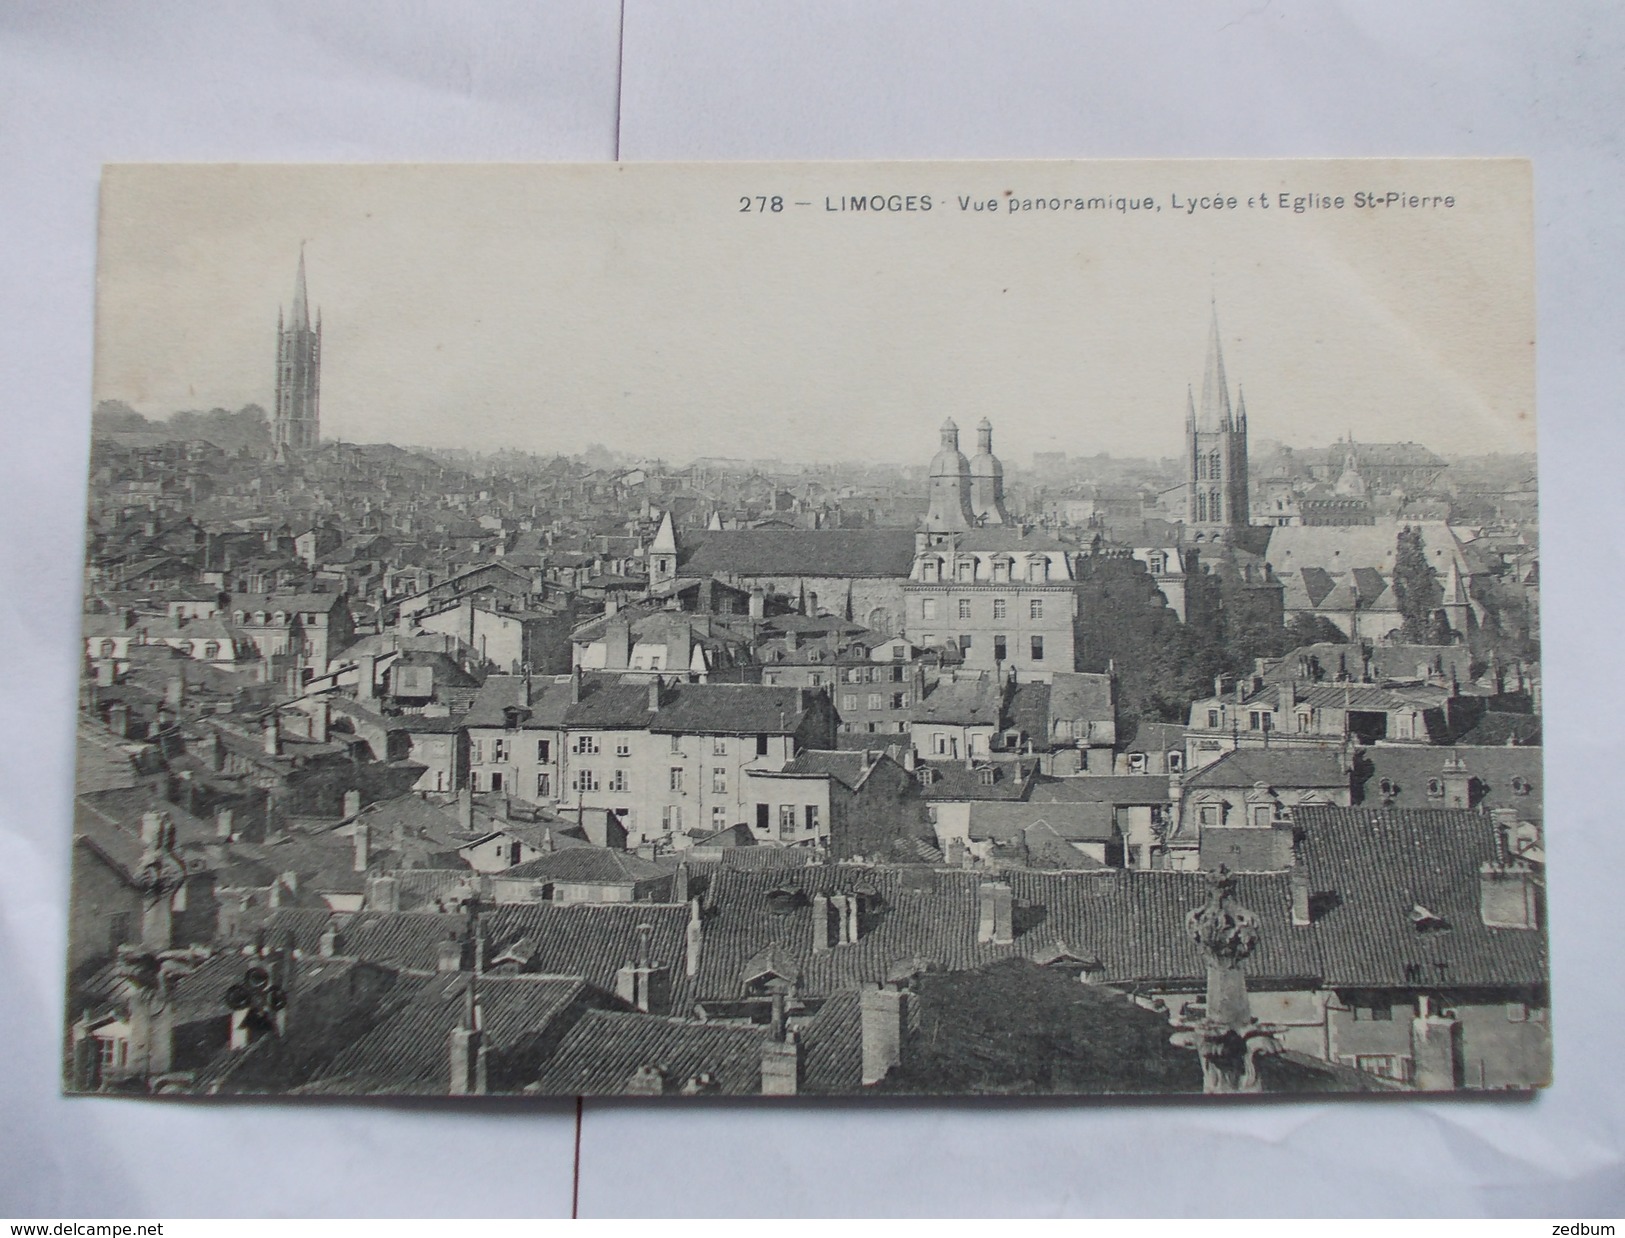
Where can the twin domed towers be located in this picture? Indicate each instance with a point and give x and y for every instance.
(966, 494)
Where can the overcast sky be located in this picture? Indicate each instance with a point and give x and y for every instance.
(636, 305)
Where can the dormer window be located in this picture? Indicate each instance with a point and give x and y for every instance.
(926, 775)
(988, 776)
(1136, 762)
(1435, 788)
(1386, 786)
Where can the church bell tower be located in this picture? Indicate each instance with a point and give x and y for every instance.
(1215, 453)
(297, 423)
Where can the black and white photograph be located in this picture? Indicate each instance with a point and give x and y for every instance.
(956, 629)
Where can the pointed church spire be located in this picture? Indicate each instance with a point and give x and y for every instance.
(1241, 408)
(1215, 390)
(299, 315)
(1190, 409)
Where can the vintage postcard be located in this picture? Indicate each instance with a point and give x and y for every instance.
(812, 629)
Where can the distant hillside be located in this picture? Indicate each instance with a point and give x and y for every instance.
(228, 430)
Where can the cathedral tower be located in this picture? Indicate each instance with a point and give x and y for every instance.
(1215, 453)
(987, 479)
(950, 486)
(297, 424)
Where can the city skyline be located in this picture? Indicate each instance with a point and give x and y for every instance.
(493, 337)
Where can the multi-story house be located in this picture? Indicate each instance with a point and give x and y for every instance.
(1004, 599)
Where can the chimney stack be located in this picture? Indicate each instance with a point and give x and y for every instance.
(758, 605)
(1508, 895)
(781, 1054)
(383, 894)
(175, 692)
(1458, 783)
(647, 1080)
(820, 924)
(1301, 917)
(363, 845)
(106, 673)
(118, 719)
(644, 983)
(654, 695)
(366, 684)
(321, 719)
(575, 685)
(224, 822)
(693, 940)
(881, 1012)
(1435, 1049)
(466, 1048)
(449, 954)
(465, 810)
(352, 802)
(996, 922)
(272, 735)
(327, 945)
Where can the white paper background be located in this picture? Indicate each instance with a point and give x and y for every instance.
(94, 83)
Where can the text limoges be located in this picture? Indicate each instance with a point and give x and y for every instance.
(879, 202)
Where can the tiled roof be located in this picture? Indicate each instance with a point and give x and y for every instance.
(407, 1053)
(1132, 921)
(804, 552)
(591, 940)
(606, 1048)
(832, 1047)
(1372, 869)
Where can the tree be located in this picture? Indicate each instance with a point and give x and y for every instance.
(1416, 586)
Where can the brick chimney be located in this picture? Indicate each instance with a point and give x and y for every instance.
(1508, 895)
(996, 919)
(881, 1013)
(644, 983)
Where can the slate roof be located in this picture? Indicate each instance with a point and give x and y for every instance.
(847, 768)
(1372, 868)
(1123, 790)
(605, 1048)
(1274, 767)
(549, 701)
(804, 552)
(951, 781)
(1081, 696)
(1492, 770)
(964, 702)
(592, 865)
(728, 709)
(1075, 822)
